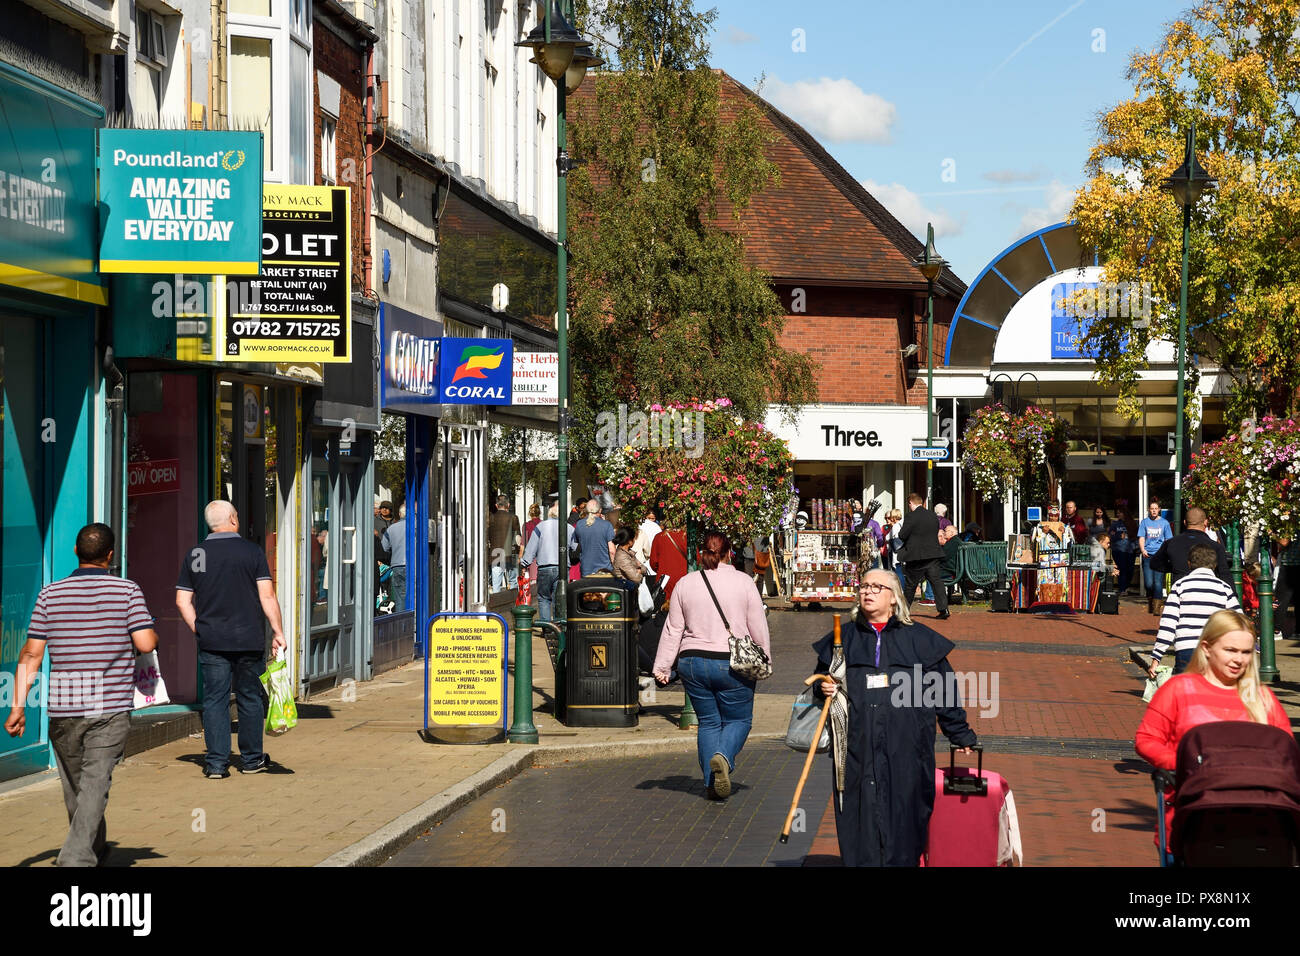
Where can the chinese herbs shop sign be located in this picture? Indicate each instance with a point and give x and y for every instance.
(299, 308)
(465, 678)
(180, 201)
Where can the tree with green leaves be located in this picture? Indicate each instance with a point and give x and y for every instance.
(1229, 66)
(665, 306)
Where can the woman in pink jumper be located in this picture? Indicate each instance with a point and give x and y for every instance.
(695, 637)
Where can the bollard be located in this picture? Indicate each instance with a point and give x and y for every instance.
(523, 731)
(1234, 545)
(1267, 652)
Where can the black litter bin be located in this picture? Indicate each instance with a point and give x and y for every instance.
(600, 654)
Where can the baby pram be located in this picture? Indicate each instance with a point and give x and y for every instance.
(1237, 798)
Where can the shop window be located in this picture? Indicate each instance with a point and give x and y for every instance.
(164, 510)
(250, 8)
(390, 490)
(250, 98)
(328, 153)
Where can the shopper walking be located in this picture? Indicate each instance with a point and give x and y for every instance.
(1153, 530)
(93, 624)
(1191, 602)
(225, 596)
(922, 554)
(882, 815)
(696, 638)
(595, 536)
(1123, 548)
(543, 555)
(394, 539)
(1171, 557)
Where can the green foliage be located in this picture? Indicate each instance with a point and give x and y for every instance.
(1229, 66)
(1003, 451)
(739, 482)
(1253, 477)
(506, 468)
(665, 307)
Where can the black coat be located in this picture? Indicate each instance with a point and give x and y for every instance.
(920, 536)
(889, 772)
(1172, 556)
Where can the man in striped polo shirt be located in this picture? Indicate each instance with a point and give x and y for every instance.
(94, 623)
(1191, 601)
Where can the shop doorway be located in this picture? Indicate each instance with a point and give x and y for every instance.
(333, 652)
(24, 510)
(463, 552)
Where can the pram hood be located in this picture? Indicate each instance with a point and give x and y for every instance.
(1235, 763)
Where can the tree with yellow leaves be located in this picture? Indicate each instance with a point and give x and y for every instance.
(1231, 67)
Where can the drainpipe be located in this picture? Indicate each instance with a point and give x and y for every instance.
(115, 405)
(367, 259)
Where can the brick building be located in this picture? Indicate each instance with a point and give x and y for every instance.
(843, 267)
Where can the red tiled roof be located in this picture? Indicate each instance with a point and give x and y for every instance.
(821, 224)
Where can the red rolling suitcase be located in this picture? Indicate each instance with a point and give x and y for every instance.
(974, 821)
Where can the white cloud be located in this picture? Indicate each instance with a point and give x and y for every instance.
(737, 35)
(907, 207)
(836, 110)
(1014, 175)
(1056, 206)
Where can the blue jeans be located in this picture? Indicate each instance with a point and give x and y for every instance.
(724, 704)
(1153, 580)
(546, 578)
(244, 670)
(1181, 660)
(397, 588)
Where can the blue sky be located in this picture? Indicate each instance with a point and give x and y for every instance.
(975, 114)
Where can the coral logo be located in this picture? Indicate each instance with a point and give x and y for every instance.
(230, 165)
(476, 361)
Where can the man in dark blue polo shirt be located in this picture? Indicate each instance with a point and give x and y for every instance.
(224, 593)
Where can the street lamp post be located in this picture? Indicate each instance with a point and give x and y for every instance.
(931, 265)
(1186, 184)
(562, 54)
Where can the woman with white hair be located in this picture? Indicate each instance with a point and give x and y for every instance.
(891, 669)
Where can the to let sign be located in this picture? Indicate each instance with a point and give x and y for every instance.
(180, 201)
(299, 308)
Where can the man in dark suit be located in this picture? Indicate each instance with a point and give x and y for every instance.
(922, 554)
(1172, 556)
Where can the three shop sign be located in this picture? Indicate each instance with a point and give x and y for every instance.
(180, 201)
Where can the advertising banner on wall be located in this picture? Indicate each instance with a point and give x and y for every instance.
(299, 308)
(48, 225)
(408, 379)
(536, 379)
(180, 201)
(476, 371)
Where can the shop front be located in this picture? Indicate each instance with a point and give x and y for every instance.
(1014, 340)
(846, 456)
(50, 404)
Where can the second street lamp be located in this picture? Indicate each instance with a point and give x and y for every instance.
(1186, 184)
(559, 49)
(931, 265)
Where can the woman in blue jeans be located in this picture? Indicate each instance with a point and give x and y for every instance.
(695, 637)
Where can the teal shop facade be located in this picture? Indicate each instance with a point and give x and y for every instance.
(52, 436)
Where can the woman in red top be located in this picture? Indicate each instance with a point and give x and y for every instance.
(1220, 683)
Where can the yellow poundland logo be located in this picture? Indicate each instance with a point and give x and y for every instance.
(229, 165)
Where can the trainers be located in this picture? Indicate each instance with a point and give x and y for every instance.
(721, 776)
(260, 768)
(216, 774)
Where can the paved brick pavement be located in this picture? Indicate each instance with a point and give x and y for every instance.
(353, 766)
(640, 811)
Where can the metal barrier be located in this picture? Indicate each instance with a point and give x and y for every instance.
(983, 561)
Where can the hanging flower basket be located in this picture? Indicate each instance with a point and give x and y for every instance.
(1251, 477)
(738, 479)
(1003, 451)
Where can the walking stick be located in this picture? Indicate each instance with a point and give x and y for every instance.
(812, 751)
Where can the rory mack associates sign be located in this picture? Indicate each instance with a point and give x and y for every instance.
(180, 201)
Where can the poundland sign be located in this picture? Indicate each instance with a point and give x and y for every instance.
(180, 201)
